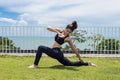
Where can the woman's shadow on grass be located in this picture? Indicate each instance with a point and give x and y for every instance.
(60, 67)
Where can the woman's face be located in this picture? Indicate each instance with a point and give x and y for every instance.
(67, 31)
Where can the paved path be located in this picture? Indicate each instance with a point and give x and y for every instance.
(66, 55)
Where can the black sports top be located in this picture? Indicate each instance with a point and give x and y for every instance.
(60, 40)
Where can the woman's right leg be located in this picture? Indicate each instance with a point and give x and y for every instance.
(42, 49)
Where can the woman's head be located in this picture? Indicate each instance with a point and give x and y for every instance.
(71, 27)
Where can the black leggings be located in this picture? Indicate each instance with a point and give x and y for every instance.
(56, 53)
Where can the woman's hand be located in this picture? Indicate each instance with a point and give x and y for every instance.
(81, 60)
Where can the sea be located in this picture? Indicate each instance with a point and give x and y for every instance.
(31, 42)
(32, 37)
(27, 43)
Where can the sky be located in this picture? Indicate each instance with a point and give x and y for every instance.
(59, 12)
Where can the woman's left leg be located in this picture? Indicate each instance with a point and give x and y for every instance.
(67, 62)
(63, 60)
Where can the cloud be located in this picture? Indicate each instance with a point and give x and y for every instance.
(14, 2)
(8, 20)
(63, 11)
(20, 22)
(23, 19)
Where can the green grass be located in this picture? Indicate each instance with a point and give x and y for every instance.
(15, 68)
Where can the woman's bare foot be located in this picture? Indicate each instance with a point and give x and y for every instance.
(91, 64)
(33, 66)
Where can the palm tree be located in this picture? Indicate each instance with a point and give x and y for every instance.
(109, 44)
(6, 43)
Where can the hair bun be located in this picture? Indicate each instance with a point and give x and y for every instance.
(74, 24)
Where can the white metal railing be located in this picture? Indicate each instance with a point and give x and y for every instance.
(26, 39)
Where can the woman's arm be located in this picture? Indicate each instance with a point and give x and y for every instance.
(73, 48)
(53, 29)
(57, 30)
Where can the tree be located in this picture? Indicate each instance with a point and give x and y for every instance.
(109, 44)
(6, 43)
(77, 36)
(95, 38)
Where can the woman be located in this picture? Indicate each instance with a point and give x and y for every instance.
(56, 53)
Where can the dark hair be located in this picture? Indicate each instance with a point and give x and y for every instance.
(72, 26)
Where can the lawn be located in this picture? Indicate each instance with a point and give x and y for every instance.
(16, 68)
